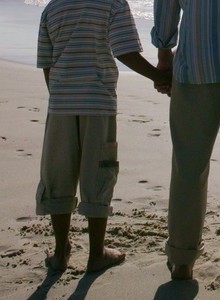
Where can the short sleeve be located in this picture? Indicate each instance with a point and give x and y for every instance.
(123, 35)
(45, 47)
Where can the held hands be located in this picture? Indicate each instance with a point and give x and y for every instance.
(164, 82)
(165, 62)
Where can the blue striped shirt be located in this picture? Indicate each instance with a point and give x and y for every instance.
(197, 59)
(78, 40)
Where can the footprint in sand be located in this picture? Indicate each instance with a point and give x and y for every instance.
(26, 155)
(142, 181)
(140, 121)
(34, 109)
(12, 253)
(157, 188)
(211, 213)
(117, 199)
(24, 219)
(23, 154)
(154, 134)
(156, 129)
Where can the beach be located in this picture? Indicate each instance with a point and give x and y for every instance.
(139, 222)
(19, 25)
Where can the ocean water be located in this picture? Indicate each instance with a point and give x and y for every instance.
(19, 23)
(140, 8)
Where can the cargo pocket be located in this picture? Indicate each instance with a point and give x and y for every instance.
(108, 169)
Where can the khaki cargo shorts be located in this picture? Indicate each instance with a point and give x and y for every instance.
(78, 149)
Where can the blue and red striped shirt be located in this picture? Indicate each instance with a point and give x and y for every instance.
(78, 40)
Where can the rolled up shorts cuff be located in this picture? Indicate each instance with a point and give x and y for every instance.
(94, 210)
(180, 256)
(56, 206)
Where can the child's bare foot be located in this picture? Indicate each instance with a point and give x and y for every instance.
(58, 261)
(110, 257)
(182, 272)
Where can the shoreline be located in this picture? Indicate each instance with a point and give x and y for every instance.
(19, 24)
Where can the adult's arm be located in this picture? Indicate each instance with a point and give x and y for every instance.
(166, 19)
(165, 35)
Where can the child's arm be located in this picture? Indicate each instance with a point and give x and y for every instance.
(46, 76)
(139, 64)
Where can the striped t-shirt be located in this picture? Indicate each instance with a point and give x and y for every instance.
(78, 40)
(197, 60)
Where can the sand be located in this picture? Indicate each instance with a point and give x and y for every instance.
(139, 223)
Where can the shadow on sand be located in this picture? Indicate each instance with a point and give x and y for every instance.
(177, 290)
(84, 285)
(53, 276)
(43, 289)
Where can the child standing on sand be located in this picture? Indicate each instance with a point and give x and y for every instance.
(76, 45)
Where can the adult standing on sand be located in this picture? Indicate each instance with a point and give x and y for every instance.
(77, 41)
(194, 118)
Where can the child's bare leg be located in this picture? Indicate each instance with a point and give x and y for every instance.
(61, 224)
(100, 257)
(182, 272)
